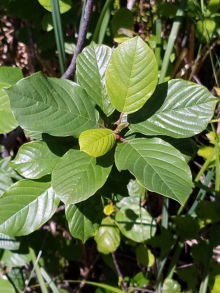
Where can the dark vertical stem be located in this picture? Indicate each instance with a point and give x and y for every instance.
(81, 39)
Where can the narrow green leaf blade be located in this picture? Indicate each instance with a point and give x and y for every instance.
(35, 159)
(97, 142)
(157, 165)
(131, 75)
(178, 109)
(77, 176)
(107, 237)
(50, 105)
(85, 218)
(135, 223)
(26, 206)
(91, 65)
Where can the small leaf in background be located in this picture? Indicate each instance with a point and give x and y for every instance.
(171, 286)
(208, 210)
(84, 218)
(109, 209)
(107, 237)
(135, 223)
(205, 29)
(122, 22)
(8, 77)
(77, 176)
(6, 286)
(131, 75)
(205, 151)
(35, 159)
(157, 165)
(178, 108)
(97, 142)
(140, 280)
(50, 105)
(212, 137)
(65, 5)
(216, 286)
(186, 227)
(47, 22)
(164, 240)
(91, 65)
(144, 255)
(26, 206)
(190, 276)
(15, 259)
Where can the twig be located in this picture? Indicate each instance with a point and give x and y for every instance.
(124, 284)
(81, 39)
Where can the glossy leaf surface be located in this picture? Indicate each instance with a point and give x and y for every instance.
(90, 71)
(107, 237)
(78, 176)
(8, 77)
(178, 109)
(50, 105)
(135, 223)
(84, 218)
(35, 159)
(157, 165)
(9, 243)
(26, 206)
(131, 76)
(97, 142)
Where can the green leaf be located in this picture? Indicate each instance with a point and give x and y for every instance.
(78, 176)
(35, 159)
(135, 223)
(178, 109)
(26, 206)
(9, 243)
(50, 105)
(157, 165)
(122, 23)
(171, 286)
(84, 218)
(8, 77)
(5, 181)
(144, 255)
(97, 142)
(15, 259)
(107, 237)
(6, 286)
(91, 65)
(65, 5)
(131, 75)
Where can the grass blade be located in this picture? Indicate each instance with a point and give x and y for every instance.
(58, 31)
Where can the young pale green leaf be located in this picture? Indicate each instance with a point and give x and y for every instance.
(131, 75)
(26, 206)
(35, 159)
(77, 176)
(97, 142)
(135, 223)
(50, 105)
(64, 5)
(85, 218)
(8, 77)
(91, 65)
(107, 237)
(157, 165)
(178, 108)
(6, 286)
